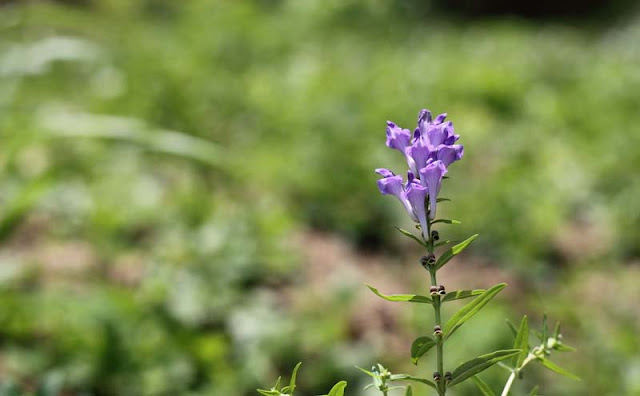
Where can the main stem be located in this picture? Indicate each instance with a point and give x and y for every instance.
(439, 349)
(436, 306)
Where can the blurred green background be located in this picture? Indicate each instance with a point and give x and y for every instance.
(188, 204)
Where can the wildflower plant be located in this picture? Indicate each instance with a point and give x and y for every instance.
(429, 151)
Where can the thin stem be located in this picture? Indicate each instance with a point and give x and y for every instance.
(514, 374)
(439, 349)
(507, 386)
(436, 306)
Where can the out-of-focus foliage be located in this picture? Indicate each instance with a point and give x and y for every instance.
(159, 158)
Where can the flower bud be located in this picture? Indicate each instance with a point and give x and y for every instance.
(437, 330)
(437, 376)
(433, 290)
(448, 376)
(441, 290)
(435, 235)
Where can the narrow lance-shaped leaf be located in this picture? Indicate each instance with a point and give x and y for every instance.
(409, 391)
(410, 235)
(414, 298)
(446, 221)
(521, 342)
(420, 346)
(554, 367)
(484, 388)
(545, 329)
(269, 392)
(460, 294)
(442, 243)
(277, 385)
(512, 327)
(338, 389)
(454, 250)
(292, 382)
(534, 391)
(407, 377)
(470, 309)
(474, 366)
(564, 348)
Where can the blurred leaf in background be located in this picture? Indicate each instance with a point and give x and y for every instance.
(187, 202)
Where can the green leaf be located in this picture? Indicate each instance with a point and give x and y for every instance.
(442, 243)
(512, 327)
(470, 309)
(420, 346)
(554, 367)
(460, 294)
(534, 391)
(277, 385)
(564, 348)
(271, 392)
(474, 366)
(545, 329)
(454, 250)
(402, 297)
(521, 342)
(556, 332)
(338, 389)
(443, 200)
(409, 391)
(410, 235)
(292, 382)
(446, 221)
(367, 372)
(484, 388)
(407, 377)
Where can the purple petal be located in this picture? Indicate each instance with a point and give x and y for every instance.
(415, 195)
(424, 116)
(424, 120)
(418, 154)
(384, 172)
(397, 138)
(449, 154)
(432, 175)
(436, 134)
(440, 118)
(451, 137)
(410, 177)
(393, 186)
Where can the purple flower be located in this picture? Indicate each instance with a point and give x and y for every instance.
(429, 152)
(449, 154)
(390, 184)
(416, 194)
(397, 138)
(419, 154)
(431, 177)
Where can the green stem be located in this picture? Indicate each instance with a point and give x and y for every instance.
(439, 349)
(436, 306)
(514, 374)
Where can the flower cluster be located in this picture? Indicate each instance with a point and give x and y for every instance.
(429, 152)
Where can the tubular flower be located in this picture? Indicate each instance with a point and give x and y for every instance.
(429, 152)
(431, 177)
(391, 184)
(397, 138)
